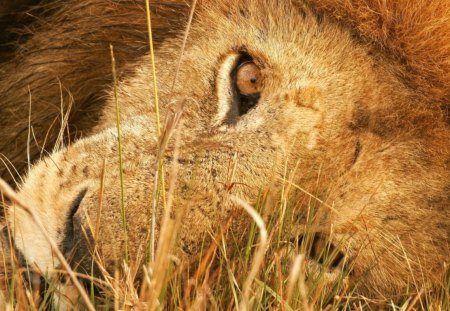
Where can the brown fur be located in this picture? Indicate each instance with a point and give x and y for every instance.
(12, 13)
(358, 90)
(57, 70)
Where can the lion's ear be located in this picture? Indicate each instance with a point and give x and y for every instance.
(417, 32)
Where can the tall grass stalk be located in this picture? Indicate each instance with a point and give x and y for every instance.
(152, 289)
(160, 172)
(259, 254)
(119, 142)
(159, 178)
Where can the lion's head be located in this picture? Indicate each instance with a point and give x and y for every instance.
(266, 96)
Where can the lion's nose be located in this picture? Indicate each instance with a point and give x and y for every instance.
(68, 238)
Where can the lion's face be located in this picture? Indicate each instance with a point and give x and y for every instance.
(265, 96)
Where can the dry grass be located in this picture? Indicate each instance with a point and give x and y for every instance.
(271, 272)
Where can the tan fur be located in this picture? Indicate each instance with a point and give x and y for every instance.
(413, 32)
(368, 116)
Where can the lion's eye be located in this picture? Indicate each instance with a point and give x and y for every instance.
(247, 79)
(239, 84)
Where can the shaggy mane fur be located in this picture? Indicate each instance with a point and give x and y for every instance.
(416, 32)
(123, 25)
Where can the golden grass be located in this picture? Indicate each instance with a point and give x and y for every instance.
(270, 273)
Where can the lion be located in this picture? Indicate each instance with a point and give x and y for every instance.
(353, 95)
